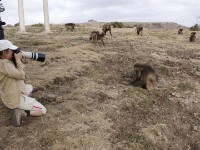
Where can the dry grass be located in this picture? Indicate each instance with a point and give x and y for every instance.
(91, 103)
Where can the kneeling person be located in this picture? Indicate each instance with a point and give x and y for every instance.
(14, 92)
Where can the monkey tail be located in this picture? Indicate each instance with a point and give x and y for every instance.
(151, 82)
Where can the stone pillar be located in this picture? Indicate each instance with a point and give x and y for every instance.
(21, 16)
(46, 16)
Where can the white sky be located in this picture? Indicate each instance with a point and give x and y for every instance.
(184, 12)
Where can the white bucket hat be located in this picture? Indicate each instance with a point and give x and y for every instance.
(5, 44)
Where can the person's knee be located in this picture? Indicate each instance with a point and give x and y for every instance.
(28, 90)
(44, 111)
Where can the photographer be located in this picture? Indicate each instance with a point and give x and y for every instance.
(14, 92)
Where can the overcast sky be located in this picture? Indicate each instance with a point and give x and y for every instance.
(184, 12)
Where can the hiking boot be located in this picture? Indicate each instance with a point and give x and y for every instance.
(17, 115)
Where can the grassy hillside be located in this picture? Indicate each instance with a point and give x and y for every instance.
(91, 103)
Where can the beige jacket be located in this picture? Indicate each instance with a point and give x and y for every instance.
(11, 82)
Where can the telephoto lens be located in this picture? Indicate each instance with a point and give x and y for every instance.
(34, 56)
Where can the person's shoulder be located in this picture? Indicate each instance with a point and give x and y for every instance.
(3, 61)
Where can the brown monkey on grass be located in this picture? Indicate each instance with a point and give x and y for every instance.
(180, 31)
(95, 36)
(192, 37)
(106, 27)
(139, 30)
(146, 76)
(193, 33)
(70, 26)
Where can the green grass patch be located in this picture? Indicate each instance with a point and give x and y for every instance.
(127, 61)
(146, 103)
(135, 138)
(185, 86)
(164, 70)
(94, 72)
(37, 42)
(134, 90)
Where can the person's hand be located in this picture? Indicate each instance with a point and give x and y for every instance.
(18, 56)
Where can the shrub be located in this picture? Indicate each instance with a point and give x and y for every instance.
(117, 24)
(195, 27)
(16, 24)
(38, 25)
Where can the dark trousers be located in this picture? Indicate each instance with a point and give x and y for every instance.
(1, 33)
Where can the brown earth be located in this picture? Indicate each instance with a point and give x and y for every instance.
(91, 103)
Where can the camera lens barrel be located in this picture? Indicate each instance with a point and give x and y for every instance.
(35, 56)
(41, 57)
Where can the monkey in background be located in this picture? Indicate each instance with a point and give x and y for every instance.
(192, 37)
(146, 76)
(180, 31)
(139, 30)
(95, 36)
(70, 26)
(106, 27)
(193, 33)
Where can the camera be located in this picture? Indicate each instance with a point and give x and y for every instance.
(34, 56)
